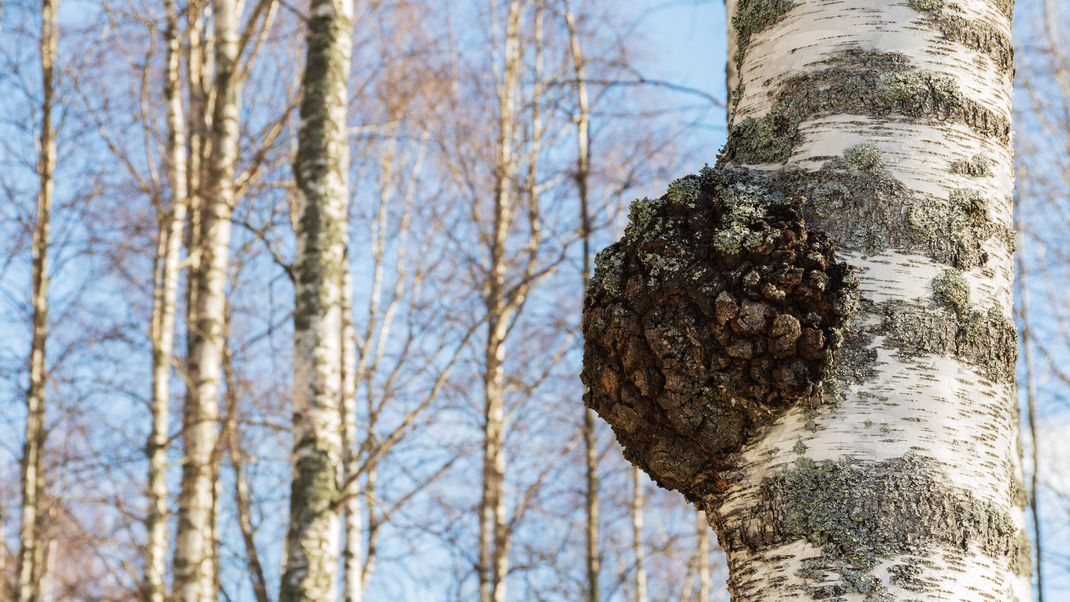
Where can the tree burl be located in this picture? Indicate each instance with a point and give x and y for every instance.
(716, 312)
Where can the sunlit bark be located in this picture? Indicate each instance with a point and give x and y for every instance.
(320, 385)
(32, 537)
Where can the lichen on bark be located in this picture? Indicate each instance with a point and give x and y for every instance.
(717, 311)
(977, 166)
(977, 35)
(865, 210)
(858, 81)
(860, 514)
(755, 16)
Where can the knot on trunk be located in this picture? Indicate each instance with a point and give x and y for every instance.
(715, 313)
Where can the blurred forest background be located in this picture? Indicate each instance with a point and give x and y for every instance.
(641, 81)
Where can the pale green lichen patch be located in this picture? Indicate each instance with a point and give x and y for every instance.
(766, 139)
(1024, 555)
(861, 514)
(977, 166)
(951, 289)
(956, 229)
(864, 158)
(1019, 495)
(755, 16)
(885, 84)
(929, 6)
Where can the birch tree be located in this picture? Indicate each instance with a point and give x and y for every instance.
(162, 327)
(493, 563)
(583, 170)
(812, 341)
(194, 557)
(32, 543)
(320, 385)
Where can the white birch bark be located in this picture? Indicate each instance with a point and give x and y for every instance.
(899, 477)
(169, 248)
(583, 170)
(925, 407)
(194, 561)
(638, 549)
(321, 170)
(493, 562)
(353, 580)
(32, 539)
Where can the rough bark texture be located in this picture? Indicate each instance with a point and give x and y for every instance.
(195, 557)
(321, 170)
(164, 301)
(887, 467)
(32, 540)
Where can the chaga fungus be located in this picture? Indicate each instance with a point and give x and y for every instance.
(717, 311)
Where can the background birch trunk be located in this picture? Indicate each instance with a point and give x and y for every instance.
(583, 170)
(320, 385)
(636, 512)
(169, 249)
(873, 450)
(32, 538)
(194, 562)
(493, 562)
(352, 519)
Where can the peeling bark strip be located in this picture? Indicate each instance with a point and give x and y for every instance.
(321, 171)
(886, 467)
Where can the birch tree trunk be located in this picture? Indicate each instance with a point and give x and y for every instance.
(636, 512)
(813, 341)
(352, 520)
(31, 536)
(583, 170)
(194, 558)
(493, 563)
(321, 170)
(165, 294)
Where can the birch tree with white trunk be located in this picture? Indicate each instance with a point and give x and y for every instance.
(164, 301)
(32, 540)
(194, 560)
(813, 340)
(321, 387)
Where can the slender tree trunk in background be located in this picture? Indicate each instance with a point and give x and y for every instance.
(583, 170)
(702, 532)
(3, 557)
(242, 499)
(168, 256)
(889, 471)
(352, 519)
(320, 385)
(636, 512)
(1031, 397)
(195, 558)
(493, 564)
(31, 535)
